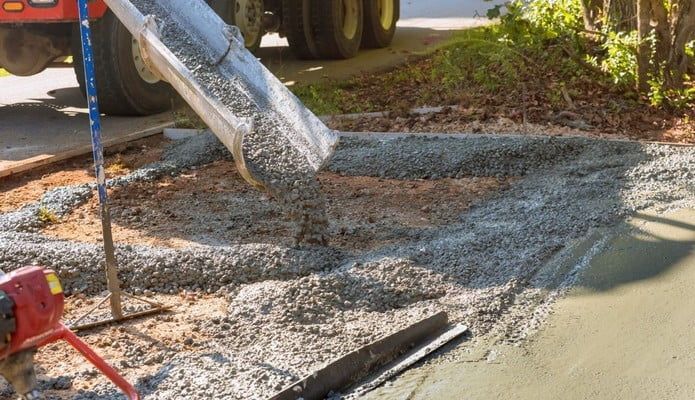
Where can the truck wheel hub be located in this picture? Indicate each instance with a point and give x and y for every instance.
(351, 18)
(248, 16)
(385, 13)
(142, 68)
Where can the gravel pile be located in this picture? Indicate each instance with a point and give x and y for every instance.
(293, 309)
(434, 157)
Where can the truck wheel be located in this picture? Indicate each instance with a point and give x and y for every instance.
(296, 20)
(337, 26)
(248, 17)
(380, 17)
(124, 84)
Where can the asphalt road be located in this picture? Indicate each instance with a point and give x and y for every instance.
(44, 114)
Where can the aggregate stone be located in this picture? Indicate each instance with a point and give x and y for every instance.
(293, 309)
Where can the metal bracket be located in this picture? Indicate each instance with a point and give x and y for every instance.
(149, 24)
(232, 34)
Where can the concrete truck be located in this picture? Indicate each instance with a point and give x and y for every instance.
(36, 34)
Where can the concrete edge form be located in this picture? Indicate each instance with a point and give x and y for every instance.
(412, 358)
(46, 159)
(351, 367)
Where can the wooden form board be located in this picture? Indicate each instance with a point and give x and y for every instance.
(45, 159)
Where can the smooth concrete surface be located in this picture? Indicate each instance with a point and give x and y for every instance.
(626, 331)
(46, 114)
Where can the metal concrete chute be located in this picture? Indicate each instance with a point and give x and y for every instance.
(225, 49)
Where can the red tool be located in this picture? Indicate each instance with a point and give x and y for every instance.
(31, 305)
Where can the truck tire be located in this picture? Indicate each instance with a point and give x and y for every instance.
(337, 26)
(296, 21)
(124, 85)
(380, 17)
(247, 15)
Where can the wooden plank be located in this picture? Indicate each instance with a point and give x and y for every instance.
(412, 358)
(45, 159)
(352, 367)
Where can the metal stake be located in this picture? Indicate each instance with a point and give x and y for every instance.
(112, 281)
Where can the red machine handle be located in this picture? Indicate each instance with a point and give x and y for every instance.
(63, 333)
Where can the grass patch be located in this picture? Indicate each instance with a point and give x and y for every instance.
(187, 119)
(119, 166)
(487, 64)
(47, 216)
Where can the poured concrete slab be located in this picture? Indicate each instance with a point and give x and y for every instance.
(624, 332)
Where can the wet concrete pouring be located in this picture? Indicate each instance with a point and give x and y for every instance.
(270, 154)
(494, 259)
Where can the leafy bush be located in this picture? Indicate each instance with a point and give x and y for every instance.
(613, 51)
(619, 60)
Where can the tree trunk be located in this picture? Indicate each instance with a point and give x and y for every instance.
(644, 30)
(683, 32)
(591, 10)
(662, 29)
(655, 41)
(620, 15)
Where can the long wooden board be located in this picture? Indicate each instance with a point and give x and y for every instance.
(45, 159)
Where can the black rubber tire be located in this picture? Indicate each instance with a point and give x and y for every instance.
(256, 44)
(296, 22)
(327, 24)
(375, 36)
(120, 88)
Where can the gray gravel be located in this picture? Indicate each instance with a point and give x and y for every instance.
(293, 309)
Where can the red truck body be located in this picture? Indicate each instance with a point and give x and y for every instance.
(60, 11)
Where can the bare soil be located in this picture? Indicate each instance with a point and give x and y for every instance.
(29, 187)
(155, 338)
(461, 119)
(212, 205)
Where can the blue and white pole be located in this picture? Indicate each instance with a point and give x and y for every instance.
(98, 153)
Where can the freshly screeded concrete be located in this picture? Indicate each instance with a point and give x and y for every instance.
(623, 332)
(292, 309)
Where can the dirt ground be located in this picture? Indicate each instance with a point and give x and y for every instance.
(202, 206)
(120, 160)
(146, 342)
(461, 119)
